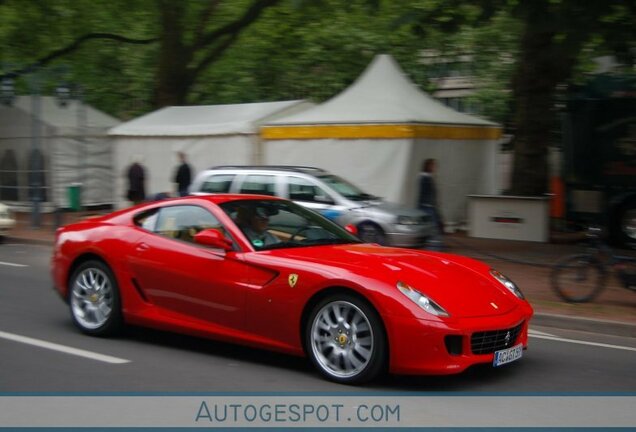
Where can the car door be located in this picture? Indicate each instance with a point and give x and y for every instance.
(181, 277)
(308, 194)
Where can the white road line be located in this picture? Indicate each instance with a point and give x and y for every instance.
(580, 342)
(62, 348)
(539, 333)
(12, 264)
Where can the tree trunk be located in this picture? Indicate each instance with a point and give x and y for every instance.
(174, 77)
(534, 87)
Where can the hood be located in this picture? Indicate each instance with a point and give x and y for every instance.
(460, 285)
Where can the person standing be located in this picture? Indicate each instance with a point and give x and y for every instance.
(183, 175)
(427, 200)
(136, 182)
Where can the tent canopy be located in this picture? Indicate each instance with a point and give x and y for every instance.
(64, 119)
(55, 146)
(205, 120)
(383, 95)
(377, 132)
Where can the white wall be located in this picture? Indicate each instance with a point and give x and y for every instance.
(159, 157)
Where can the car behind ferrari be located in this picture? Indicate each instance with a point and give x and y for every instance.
(268, 273)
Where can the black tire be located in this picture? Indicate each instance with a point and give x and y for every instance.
(369, 232)
(94, 301)
(578, 278)
(348, 351)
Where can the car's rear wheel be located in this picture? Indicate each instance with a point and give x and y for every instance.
(94, 299)
(345, 339)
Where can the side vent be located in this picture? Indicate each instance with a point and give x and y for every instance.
(139, 290)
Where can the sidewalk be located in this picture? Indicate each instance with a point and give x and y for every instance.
(526, 263)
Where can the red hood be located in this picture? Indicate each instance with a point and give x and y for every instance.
(460, 285)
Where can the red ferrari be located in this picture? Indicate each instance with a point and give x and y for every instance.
(266, 272)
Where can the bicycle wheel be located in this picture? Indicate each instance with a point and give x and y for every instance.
(578, 278)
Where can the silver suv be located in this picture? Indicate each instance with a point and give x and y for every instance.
(377, 221)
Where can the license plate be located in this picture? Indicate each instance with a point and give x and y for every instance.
(508, 355)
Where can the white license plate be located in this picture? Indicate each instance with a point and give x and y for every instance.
(508, 355)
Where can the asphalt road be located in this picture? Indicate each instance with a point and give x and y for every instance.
(39, 353)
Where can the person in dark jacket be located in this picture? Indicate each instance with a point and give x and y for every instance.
(183, 175)
(136, 182)
(427, 200)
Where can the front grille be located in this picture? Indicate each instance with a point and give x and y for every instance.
(490, 341)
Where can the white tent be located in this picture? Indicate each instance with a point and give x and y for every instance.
(377, 133)
(72, 147)
(209, 135)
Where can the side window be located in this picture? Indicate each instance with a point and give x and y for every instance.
(184, 222)
(301, 189)
(259, 184)
(147, 219)
(218, 183)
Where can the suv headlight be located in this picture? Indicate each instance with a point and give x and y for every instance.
(408, 220)
(421, 300)
(510, 285)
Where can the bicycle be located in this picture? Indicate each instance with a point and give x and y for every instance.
(580, 278)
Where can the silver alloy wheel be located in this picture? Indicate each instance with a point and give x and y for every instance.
(342, 339)
(628, 224)
(92, 298)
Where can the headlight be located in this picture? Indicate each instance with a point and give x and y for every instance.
(421, 300)
(510, 285)
(408, 220)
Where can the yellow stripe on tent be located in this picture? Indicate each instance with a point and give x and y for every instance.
(381, 131)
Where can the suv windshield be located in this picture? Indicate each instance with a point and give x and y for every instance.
(345, 188)
(273, 224)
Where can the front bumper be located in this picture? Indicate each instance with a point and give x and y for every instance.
(414, 240)
(421, 347)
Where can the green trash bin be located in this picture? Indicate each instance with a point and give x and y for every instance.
(75, 196)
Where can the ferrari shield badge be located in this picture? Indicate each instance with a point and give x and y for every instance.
(292, 279)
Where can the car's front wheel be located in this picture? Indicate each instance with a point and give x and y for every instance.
(345, 339)
(94, 299)
(369, 232)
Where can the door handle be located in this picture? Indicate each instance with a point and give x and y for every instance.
(142, 247)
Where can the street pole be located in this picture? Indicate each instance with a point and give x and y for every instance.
(35, 170)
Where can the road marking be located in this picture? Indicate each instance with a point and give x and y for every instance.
(62, 348)
(580, 342)
(12, 264)
(538, 333)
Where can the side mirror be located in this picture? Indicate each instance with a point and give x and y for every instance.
(213, 238)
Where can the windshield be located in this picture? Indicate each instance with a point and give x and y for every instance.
(273, 224)
(345, 188)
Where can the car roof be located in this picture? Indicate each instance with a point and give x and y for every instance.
(286, 168)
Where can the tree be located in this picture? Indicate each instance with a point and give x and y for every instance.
(183, 39)
(553, 35)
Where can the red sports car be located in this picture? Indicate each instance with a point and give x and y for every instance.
(266, 272)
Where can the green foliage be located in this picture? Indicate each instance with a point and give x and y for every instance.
(296, 49)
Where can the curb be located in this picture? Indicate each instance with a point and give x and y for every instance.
(614, 328)
(24, 240)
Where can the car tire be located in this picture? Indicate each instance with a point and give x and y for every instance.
(93, 298)
(345, 339)
(369, 232)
